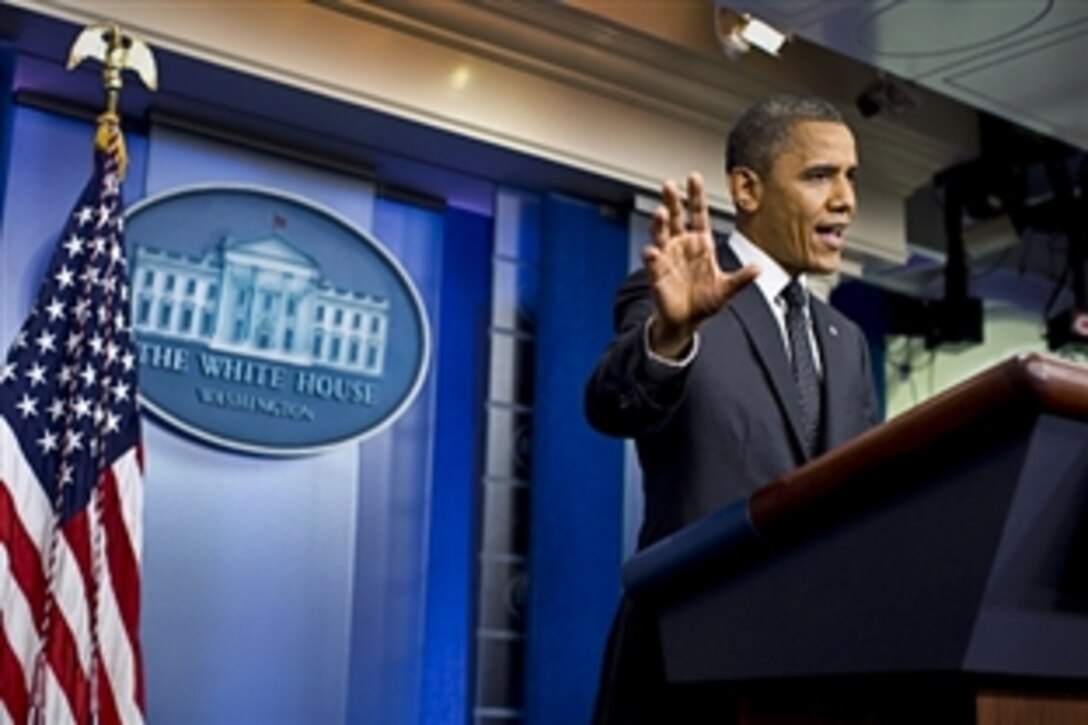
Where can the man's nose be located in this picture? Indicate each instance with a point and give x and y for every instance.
(843, 198)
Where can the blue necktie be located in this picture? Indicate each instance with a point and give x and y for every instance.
(804, 365)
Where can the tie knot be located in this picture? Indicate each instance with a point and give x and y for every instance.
(794, 295)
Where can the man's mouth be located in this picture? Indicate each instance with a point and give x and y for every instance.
(833, 235)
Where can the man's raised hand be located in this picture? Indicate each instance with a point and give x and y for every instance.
(687, 284)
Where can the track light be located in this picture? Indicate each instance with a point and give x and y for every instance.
(738, 33)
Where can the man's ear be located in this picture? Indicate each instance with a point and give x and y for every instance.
(746, 188)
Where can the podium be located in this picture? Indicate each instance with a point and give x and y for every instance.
(933, 570)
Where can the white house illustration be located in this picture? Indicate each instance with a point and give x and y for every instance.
(260, 297)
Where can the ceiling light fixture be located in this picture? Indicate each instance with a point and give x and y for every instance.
(739, 32)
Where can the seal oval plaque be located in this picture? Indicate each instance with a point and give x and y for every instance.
(268, 324)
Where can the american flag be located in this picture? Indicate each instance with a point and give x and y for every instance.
(71, 491)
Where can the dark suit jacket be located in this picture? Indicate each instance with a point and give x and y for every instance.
(709, 434)
(712, 432)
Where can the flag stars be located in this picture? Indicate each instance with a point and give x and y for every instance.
(7, 372)
(36, 375)
(89, 276)
(46, 342)
(113, 422)
(128, 361)
(104, 214)
(27, 406)
(82, 408)
(74, 245)
(89, 375)
(73, 441)
(120, 392)
(55, 409)
(98, 246)
(84, 215)
(20, 340)
(48, 441)
(64, 473)
(55, 310)
(96, 343)
(65, 277)
(80, 310)
(65, 374)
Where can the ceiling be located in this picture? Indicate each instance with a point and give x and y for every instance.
(1022, 60)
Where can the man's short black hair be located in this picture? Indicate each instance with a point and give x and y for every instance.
(760, 133)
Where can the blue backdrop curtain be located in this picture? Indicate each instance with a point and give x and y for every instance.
(461, 348)
(577, 483)
(7, 96)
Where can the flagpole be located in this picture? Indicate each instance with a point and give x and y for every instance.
(117, 51)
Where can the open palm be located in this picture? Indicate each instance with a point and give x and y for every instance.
(687, 284)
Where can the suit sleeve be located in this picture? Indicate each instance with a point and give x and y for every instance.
(630, 394)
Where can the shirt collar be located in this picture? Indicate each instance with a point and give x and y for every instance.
(772, 278)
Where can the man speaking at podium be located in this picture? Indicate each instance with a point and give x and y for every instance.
(725, 370)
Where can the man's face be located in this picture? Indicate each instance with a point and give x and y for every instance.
(799, 210)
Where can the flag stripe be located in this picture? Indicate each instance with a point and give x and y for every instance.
(70, 595)
(57, 708)
(107, 704)
(120, 613)
(123, 567)
(14, 693)
(23, 561)
(67, 670)
(115, 679)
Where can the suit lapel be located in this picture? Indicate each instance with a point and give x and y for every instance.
(750, 308)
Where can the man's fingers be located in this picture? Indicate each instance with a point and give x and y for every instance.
(675, 204)
(697, 207)
(655, 262)
(659, 226)
(733, 282)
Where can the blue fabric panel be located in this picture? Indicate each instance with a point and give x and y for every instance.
(577, 474)
(460, 362)
(7, 78)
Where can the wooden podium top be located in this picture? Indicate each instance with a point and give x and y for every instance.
(1019, 387)
(1035, 382)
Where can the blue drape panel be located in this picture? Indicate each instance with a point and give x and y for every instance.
(392, 510)
(7, 78)
(460, 364)
(577, 482)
